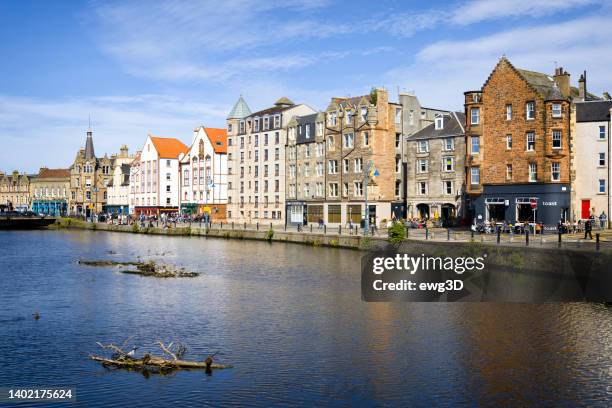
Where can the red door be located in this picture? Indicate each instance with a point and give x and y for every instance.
(586, 209)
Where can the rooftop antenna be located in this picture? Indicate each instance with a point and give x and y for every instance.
(556, 64)
(89, 121)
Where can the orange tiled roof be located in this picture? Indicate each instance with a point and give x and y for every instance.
(53, 173)
(168, 147)
(218, 138)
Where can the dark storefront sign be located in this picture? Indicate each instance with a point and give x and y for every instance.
(544, 203)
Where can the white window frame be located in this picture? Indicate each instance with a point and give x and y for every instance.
(509, 111)
(601, 159)
(509, 171)
(420, 166)
(472, 139)
(556, 110)
(445, 164)
(560, 134)
(528, 136)
(474, 176)
(554, 172)
(533, 172)
(423, 146)
(474, 116)
(530, 110)
(601, 186)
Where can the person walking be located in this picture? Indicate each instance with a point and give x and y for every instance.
(588, 226)
(603, 220)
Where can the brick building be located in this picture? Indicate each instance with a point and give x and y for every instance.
(518, 150)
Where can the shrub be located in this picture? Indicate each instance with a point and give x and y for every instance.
(333, 242)
(135, 227)
(397, 233)
(365, 243)
(269, 234)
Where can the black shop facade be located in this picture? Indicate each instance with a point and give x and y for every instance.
(523, 203)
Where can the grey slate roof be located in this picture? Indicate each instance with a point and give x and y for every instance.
(89, 147)
(595, 111)
(451, 127)
(240, 110)
(302, 121)
(544, 84)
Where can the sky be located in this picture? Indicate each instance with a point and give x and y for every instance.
(165, 67)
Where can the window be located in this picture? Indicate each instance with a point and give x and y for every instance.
(398, 140)
(347, 117)
(345, 189)
(533, 172)
(319, 169)
(439, 122)
(277, 121)
(276, 153)
(508, 112)
(358, 188)
(423, 146)
(449, 163)
(167, 188)
(256, 125)
(348, 140)
(530, 142)
(556, 139)
(449, 144)
(602, 132)
(508, 142)
(398, 165)
(474, 175)
(306, 169)
(556, 110)
(345, 165)
(358, 165)
(307, 131)
(530, 110)
(266, 123)
(333, 189)
(168, 176)
(555, 171)
(168, 163)
(364, 113)
(422, 187)
(602, 159)
(330, 143)
(475, 116)
(333, 116)
(333, 167)
(602, 185)
(398, 188)
(475, 145)
(448, 187)
(508, 172)
(168, 201)
(186, 177)
(422, 166)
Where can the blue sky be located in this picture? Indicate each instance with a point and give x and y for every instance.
(141, 67)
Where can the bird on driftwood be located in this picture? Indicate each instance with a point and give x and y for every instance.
(132, 351)
(35, 315)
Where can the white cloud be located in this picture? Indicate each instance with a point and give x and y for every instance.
(443, 70)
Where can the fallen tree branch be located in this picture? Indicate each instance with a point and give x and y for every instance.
(158, 362)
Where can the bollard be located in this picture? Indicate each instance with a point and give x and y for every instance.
(597, 242)
(285, 225)
(270, 225)
(448, 234)
(498, 236)
(526, 237)
(324, 229)
(426, 233)
(311, 227)
(472, 235)
(559, 239)
(339, 229)
(232, 224)
(257, 225)
(245, 225)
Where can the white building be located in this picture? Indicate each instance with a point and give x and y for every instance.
(156, 185)
(591, 159)
(118, 187)
(203, 186)
(256, 160)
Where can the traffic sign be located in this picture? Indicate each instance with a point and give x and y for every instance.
(534, 204)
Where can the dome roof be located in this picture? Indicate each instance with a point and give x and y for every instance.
(240, 110)
(284, 101)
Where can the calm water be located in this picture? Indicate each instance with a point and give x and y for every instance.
(290, 319)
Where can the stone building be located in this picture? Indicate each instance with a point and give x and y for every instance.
(117, 188)
(15, 190)
(412, 117)
(305, 165)
(518, 150)
(591, 158)
(361, 133)
(436, 171)
(203, 170)
(157, 184)
(89, 176)
(134, 182)
(256, 160)
(50, 191)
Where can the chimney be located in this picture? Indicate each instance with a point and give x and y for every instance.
(124, 151)
(582, 89)
(562, 79)
(607, 96)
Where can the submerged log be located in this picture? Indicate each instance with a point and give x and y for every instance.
(149, 268)
(158, 362)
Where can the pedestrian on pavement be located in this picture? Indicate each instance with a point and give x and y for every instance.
(588, 225)
(602, 220)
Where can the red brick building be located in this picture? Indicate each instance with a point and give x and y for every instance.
(518, 151)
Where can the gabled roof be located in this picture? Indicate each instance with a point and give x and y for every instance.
(544, 84)
(593, 111)
(53, 173)
(218, 139)
(168, 147)
(240, 110)
(452, 126)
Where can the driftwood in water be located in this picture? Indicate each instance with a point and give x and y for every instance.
(176, 350)
(149, 268)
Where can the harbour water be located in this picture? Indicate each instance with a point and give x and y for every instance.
(290, 319)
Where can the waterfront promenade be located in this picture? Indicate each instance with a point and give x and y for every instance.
(347, 238)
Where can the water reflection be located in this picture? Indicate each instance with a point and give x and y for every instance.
(291, 321)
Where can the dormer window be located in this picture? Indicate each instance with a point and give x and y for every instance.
(439, 122)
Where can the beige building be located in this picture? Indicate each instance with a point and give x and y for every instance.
(591, 159)
(50, 191)
(15, 190)
(89, 177)
(362, 132)
(305, 165)
(436, 170)
(256, 160)
(118, 187)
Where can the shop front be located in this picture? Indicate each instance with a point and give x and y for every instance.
(54, 208)
(296, 213)
(116, 209)
(524, 203)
